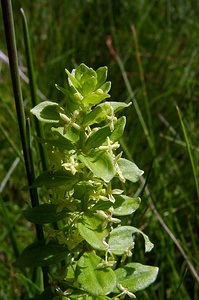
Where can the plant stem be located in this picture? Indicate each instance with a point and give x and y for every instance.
(12, 54)
(32, 83)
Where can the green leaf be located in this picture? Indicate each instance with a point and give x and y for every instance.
(101, 76)
(46, 112)
(89, 86)
(63, 90)
(98, 138)
(121, 240)
(148, 245)
(129, 170)
(90, 228)
(70, 137)
(79, 71)
(135, 276)
(59, 142)
(72, 103)
(118, 129)
(102, 205)
(125, 205)
(117, 106)
(83, 73)
(83, 188)
(98, 114)
(44, 214)
(72, 79)
(58, 178)
(97, 282)
(106, 87)
(100, 163)
(95, 98)
(39, 254)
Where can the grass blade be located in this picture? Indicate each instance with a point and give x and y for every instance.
(142, 79)
(189, 151)
(131, 93)
(32, 84)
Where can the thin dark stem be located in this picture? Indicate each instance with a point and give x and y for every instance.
(12, 54)
(32, 83)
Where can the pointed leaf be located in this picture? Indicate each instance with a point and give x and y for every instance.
(135, 276)
(106, 87)
(121, 240)
(98, 138)
(63, 90)
(90, 228)
(129, 170)
(38, 254)
(72, 80)
(98, 114)
(118, 129)
(73, 103)
(117, 106)
(97, 282)
(147, 243)
(71, 133)
(101, 75)
(44, 214)
(95, 98)
(46, 112)
(100, 163)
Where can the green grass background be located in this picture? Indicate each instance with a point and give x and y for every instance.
(66, 33)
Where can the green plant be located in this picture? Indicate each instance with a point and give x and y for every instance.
(92, 239)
